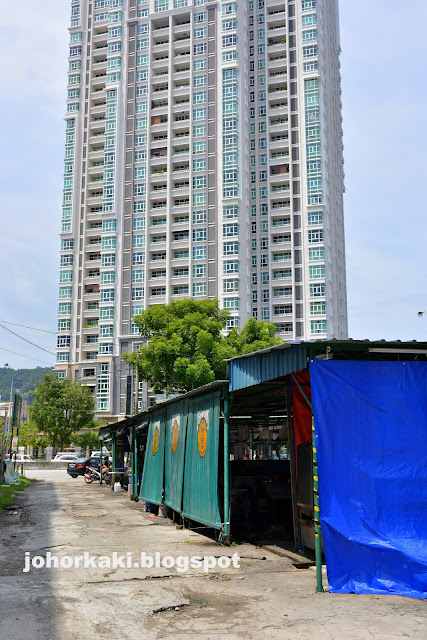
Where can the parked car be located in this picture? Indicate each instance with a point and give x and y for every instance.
(78, 467)
(20, 457)
(66, 456)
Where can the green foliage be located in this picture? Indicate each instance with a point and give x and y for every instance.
(254, 336)
(186, 346)
(8, 494)
(60, 408)
(84, 440)
(23, 379)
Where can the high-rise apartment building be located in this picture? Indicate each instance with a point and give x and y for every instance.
(203, 158)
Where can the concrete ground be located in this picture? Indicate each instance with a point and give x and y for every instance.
(268, 598)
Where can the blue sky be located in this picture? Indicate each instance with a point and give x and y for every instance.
(384, 104)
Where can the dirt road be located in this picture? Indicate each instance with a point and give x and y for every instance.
(267, 598)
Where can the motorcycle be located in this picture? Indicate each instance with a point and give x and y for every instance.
(91, 475)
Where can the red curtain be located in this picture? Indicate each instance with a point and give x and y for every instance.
(301, 411)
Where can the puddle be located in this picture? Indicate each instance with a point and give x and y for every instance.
(198, 602)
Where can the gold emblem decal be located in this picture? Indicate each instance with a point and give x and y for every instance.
(155, 440)
(202, 438)
(175, 431)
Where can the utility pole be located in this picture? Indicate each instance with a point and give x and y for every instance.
(3, 442)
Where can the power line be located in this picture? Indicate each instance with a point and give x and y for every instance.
(22, 356)
(27, 327)
(25, 339)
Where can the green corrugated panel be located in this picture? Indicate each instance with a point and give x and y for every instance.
(201, 461)
(152, 475)
(176, 428)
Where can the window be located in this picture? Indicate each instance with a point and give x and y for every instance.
(107, 295)
(317, 290)
(108, 277)
(161, 5)
(138, 257)
(64, 308)
(231, 303)
(180, 254)
(137, 293)
(106, 331)
(199, 164)
(199, 182)
(65, 292)
(66, 260)
(318, 326)
(315, 254)
(230, 212)
(108, 259)
(65, 276)
(138, 240)
(199, 270)
(199, 289)
(199, 81)
(109, 242)
(317, 308)
(199, 130)
(199, 252)
(230, 248)
(200, 48)
(106, 313)
(138, 224)
(229, 25)
(200, 32)
(64, 325)
(230, 266)
(229, 41)
(316, 272)
(309, 35)
(199, 65)
(230, 285)
(199, 234)
(199, 97)
(108, 225)
(308, 4)
(199, 114)
(199, 217)
(229, 9)
(199, 199)
(315, 235)
(67, 244)
(229, 230)
(309, 52)
(283, 309)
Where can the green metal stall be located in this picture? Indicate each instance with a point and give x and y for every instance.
(176, 430)
(201, 460)
(152, 475)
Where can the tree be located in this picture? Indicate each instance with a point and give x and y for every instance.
(186, 346)
(254, 336)
(60, 408)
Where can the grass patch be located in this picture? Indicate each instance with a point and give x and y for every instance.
(8, 494)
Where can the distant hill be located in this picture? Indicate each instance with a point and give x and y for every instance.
(24, 380)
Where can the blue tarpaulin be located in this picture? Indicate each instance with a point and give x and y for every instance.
(371, 423)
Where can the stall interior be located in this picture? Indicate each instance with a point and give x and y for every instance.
(260, 464)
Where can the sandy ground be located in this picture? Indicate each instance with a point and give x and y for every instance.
(268, 598)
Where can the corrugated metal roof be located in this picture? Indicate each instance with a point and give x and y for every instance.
(349, 343)
(264, 365)
(140, 418)
(277, 361)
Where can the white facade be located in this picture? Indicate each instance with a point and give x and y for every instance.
(203, 159)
